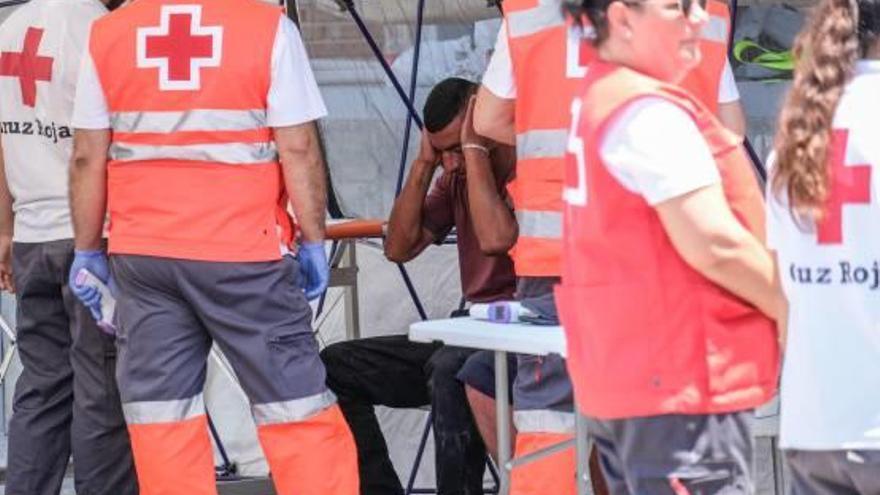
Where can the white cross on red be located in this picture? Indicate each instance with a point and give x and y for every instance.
(28, 66)
(179, 47)
(849, 184)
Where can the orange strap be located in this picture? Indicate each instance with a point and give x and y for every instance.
(360, 228)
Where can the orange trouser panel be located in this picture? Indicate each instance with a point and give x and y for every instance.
(555, 474)
(174, 458)
(315, 456)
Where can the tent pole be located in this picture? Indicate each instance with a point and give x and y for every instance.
(381, 59)
(412, 292)
(413, 76)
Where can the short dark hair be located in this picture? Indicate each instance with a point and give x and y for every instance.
(446, 100)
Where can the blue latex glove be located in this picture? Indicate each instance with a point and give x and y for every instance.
(95, 262)
(313, 268)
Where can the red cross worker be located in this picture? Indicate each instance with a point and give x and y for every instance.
(66, 401)
(822, 217)
(196, 121)
(668, 297)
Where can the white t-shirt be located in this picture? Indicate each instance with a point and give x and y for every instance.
(35, 115)
(831, 276)
(657, 165)
(294, 97)
(500, 81)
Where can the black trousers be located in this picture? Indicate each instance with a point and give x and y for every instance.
(66, 400)
(394, 372)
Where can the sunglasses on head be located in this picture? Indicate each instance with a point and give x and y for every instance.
(684, 5)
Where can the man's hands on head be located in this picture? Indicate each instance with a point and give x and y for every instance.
(428, 156)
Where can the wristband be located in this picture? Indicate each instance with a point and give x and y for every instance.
(474, 146)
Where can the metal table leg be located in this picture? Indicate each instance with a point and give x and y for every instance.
(502, 409)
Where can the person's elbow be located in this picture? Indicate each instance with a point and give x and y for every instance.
(497, 242)
(298, 144)
(398, 247)
(718, 252)
(90, 149)
(396, 254)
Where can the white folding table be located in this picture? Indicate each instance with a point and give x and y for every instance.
(502, 339)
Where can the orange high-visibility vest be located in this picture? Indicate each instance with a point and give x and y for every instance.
(193, 171)
(703, 81)
(648, 334)
(549, 61)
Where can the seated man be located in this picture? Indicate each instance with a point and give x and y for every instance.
(394, 372)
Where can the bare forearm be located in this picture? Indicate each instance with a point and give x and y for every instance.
(404, 231)
(307, 188)
(746, 269)
(711, 240)
(7, 218)
(304, 178)
(88, 187)
(494, 223)
(88, 203)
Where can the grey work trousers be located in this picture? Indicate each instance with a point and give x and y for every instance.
(66, 400)
(834, 472)
(676, 454)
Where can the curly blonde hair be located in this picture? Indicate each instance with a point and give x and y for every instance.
(826, 51)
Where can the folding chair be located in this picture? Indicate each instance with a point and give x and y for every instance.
(10, 352)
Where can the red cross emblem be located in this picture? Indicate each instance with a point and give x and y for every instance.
(27, 66)
(849, 184)
(179, 47)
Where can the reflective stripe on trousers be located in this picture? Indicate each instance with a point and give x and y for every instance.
(164, 411)
(292, 410)
(547, 14)
(544, 421)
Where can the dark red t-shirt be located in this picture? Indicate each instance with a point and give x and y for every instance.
(484, 278)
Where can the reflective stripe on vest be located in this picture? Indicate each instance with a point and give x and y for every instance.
(715, 30)
(292, 410)
(542, 224)
(541, 143)
(192, 120)
(544, 421)
(233, 153)
(163, 411)
(547, 14)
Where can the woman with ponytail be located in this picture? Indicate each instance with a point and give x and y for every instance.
(823, 220)
(668, 296)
